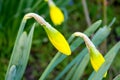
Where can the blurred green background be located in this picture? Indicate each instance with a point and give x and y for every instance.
(12, 12)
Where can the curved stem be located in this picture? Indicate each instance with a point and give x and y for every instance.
(86, 12)
(86, 39)
(38, 18)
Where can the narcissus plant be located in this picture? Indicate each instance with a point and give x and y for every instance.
(56, 38)
(96, 57)
(56, 14)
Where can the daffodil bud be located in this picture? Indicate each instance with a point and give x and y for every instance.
(56, 38)
(56, 14)
(96, 57)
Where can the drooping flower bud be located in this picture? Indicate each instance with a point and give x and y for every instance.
(96, 57)
(56, 38)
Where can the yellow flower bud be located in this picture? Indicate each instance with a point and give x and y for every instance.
(58, 40)
(96, 57)
(56, 14)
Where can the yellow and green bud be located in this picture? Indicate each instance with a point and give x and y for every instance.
(96, 57)
(58, 40)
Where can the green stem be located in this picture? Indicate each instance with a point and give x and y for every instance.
(47, 70)
(105, 12)
(103, 46)
(86, 12)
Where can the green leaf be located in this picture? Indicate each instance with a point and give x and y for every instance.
(16, 43)
(117, 77)
(20, 55)
(78, 58)
(109, 59)
(80, 69)
(25, 56)
(71, 72)
(77, 70)
(12, 73)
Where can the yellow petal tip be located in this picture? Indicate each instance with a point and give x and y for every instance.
(68, 52)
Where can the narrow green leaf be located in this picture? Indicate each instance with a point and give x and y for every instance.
(71, 72)
(79, 71)
(109, 59)
(117, 77)
(78, 58)
(47, 70)
(29, 3)
(94, 26)
(37, 4)
(112, 22)
(101, 34)
(14, 52)
(18, 53)
(21, 55)
(19, 8)
(25, 55)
